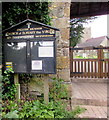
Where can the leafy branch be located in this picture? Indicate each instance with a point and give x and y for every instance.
(77, 29)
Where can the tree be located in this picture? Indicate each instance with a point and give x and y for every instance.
(15, 12)
(76, 30)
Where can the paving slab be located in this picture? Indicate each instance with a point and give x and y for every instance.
(93, 112)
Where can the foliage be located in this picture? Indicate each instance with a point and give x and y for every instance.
(12, 114)
(25, 78)
(9, 88)
(37, 109)
(58, 89)
(76, 30)
(15, 12)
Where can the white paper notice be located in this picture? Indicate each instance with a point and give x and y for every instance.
(46, 52)
(36, 64)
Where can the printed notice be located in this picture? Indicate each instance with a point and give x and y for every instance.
(46, 52)
(36, 64)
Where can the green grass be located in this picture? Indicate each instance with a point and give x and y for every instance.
(80, 57)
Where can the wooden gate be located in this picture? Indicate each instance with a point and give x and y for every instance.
(94, 64)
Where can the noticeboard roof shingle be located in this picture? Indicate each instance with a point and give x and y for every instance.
(32, 21)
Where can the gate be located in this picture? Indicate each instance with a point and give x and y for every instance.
(89, 62)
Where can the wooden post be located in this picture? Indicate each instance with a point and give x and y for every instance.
(16, 82)
(100, 63)
(102, 59)
(71, 61)
(46, 90)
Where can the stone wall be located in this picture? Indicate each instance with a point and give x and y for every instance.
(60, 12)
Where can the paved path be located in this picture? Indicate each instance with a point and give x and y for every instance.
(92, 96)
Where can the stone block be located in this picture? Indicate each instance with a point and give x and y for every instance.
(57, 4)
(62, 52)
(64, 74)
(69, 89)
(67, 10)
(60, 9)
(62, 44)
(65, 51)
(57, 12)
(36, 85)
(61, 22)
(63, 62)
(52, 75)
(59, 52)
(65, 33)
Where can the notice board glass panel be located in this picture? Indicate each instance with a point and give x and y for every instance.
(42, 57)
(15, 52)
(46, 43)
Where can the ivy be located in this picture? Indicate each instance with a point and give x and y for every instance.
(9, 88)
(15, 12)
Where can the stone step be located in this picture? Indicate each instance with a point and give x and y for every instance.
(93, 112)
(93, 102)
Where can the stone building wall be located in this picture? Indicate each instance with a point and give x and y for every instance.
(60, 12)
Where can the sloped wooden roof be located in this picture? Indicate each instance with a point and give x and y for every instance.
(85, 9)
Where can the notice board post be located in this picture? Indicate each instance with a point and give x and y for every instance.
(16, 82)
(46, 90)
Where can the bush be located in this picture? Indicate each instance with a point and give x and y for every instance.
(37, 109)
(58, 89)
